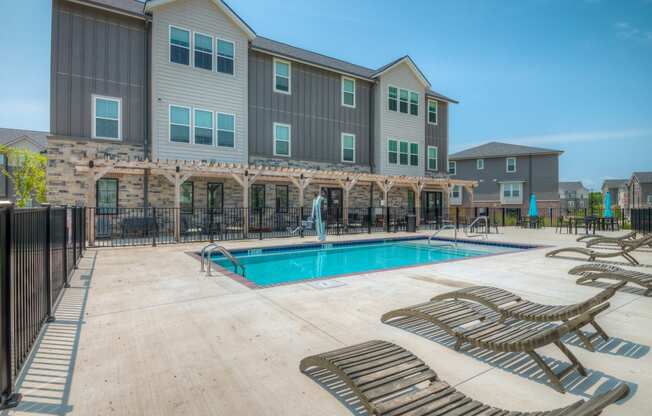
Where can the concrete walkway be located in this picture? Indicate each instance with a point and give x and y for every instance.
(142, 332)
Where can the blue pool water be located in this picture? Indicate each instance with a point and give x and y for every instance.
(272, 266)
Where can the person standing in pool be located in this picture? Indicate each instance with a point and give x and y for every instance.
(317, 206)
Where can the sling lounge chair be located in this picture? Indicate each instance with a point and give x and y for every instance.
(624, 250)
(461, 320)
(389, 380)
(593, 272)
(629, 236)
(509, 305)
(619, 241)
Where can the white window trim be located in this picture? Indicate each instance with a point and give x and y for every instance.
(190, 46)
(397, 151)
(436, 112)
(217, 39)
(193, 126)
(410, 155)
(511, 199)
(217, 128)
(398, 100)
(94, 98)
(428, 158)
(454, 168)
(191, 136)
(289, 91)
(387, 100)
(477, 164)
(289, 139)
(342, 147)
(213, 54)
(456, 200)
(342, 91)
(410, 103)
(649, 199)
(507, 165)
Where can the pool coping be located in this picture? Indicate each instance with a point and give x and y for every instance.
(252, 285)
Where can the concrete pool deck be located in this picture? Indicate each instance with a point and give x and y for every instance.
(143, 332)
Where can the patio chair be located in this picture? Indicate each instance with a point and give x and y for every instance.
(509, 305)
(389, 380)
(595, 271)
(620, 241)
(624, 251)
(463, 321)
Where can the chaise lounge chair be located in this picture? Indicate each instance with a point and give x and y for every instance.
(463, 321)
(619, 241)
(509, 305)
(624, 250)
(593, 272)
(389, 380)
(629, 236)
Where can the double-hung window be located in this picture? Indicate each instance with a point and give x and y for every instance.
(203, 52)
(403, 101)
(107, 196)
(106, 118)
(452, 167)
(179, 124)
(203, 127)
(479, 164)
(225, 130)
(282, 76)
(433, 153)
(225, 56)
(414, 154)
(414, 103)
(455, 192)
(403, 153)
(348, 147)
(348, 92)
(511, 164)
(282, 138)
(392, 99)
(179, 46)
(392, 151)
(512, 193)
(432, 111)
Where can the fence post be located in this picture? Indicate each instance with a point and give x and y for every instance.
(369, 210)
(301, 221)
(8, 398)
(74, 234)
(457, 217)
(386, 218)
(551, 209)
(260, 223)
(66, 282)
(48, 272)
(155, 233)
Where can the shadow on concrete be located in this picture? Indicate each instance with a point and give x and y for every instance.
(48, 372)
(630, 288)
(614, 346)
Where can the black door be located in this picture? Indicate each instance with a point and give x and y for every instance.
(334, 204)
(432, 207)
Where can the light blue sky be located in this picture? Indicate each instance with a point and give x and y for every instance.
(574, 75)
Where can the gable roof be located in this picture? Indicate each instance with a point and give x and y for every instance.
(571, 186)
(410, 63)
(643, 177)
(497, 149)
(9, 137)
(613, 183)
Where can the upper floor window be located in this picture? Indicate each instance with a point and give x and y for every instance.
(402, 152)
(479, 164)
(225, 56)
(403, 97)
(106, 117)
(348, 147)
(179, 46)
(432, 157)
(456, 192)
(348, 92)
(392, 100)
(512, 190)
(282, 137)
(225, 130)
(511, 164)
(414, 154)
(452, 167)
(203, 52)
(414, 103)
(179, 124)
(203, 127)
(432, 111)
(282, 76)
(392, 151)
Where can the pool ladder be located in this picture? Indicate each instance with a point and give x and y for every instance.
(485, 234)
(213, 247)
(444, 227)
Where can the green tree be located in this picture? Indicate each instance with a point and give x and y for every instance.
(27, 174)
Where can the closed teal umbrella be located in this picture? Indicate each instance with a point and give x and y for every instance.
(533, 212)
(607, 206)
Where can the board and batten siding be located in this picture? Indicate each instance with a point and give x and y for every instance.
(96, 52)
(399, 126)
(314, 110)
(174, 84)
(437, 135)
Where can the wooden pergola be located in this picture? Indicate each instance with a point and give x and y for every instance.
(177, 172)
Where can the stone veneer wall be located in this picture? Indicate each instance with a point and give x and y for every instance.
(67, 187)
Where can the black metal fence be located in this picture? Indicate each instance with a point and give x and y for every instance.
(39, 248)
(642, 220)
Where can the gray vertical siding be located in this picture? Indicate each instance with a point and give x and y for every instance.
(96, 52)
(313, 109)
(437, 135)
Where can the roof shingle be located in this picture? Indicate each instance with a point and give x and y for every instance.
(497, 149)
(8, 136)
(643, 177)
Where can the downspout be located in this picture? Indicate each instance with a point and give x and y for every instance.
(148, 111)
(372, 141)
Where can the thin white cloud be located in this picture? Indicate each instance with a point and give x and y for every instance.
(627, 31)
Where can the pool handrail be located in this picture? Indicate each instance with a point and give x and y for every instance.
(444, 227)
(210, 248)
(484, 235)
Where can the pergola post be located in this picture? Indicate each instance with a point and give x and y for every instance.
(386, 186)
(347, 185)
(245, 180)
(177, 179)
(301, 183)
(417, 188)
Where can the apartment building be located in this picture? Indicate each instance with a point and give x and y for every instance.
(639, 190)
(507, 175)
(36, 141)
(194, 109)
(617, 189)
(573, 195)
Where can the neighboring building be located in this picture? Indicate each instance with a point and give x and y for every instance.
(189, 80)
(507, 175)
(35, 141)
(573, 195)
(640, 190)
(615, 187)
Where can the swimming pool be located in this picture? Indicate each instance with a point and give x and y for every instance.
(279, 265)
